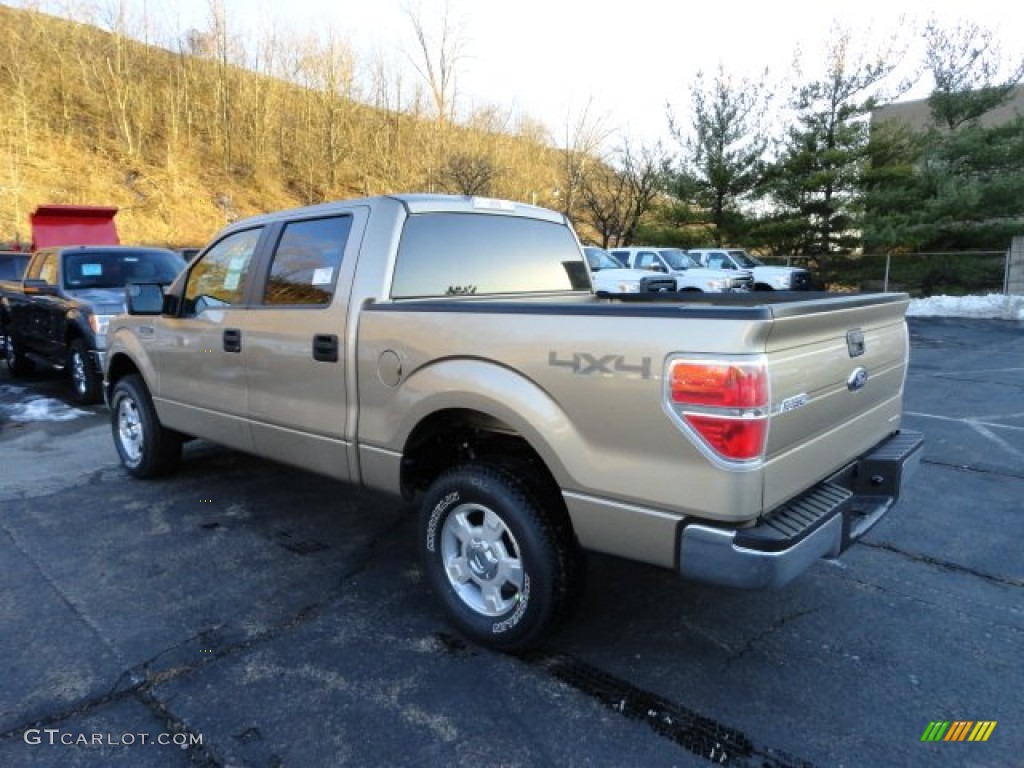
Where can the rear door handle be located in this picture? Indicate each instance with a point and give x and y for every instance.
(232, 340)
(325, 348)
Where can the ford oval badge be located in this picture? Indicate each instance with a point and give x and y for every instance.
(858, 378)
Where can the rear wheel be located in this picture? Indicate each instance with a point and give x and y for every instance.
(496, 561)
(86, 380)
(146, 448)
(17, 361)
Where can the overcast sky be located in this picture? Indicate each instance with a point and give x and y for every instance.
(550, 59)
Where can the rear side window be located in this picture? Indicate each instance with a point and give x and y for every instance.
(305, 265)
(465, 254)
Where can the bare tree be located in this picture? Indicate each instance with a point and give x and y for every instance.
(469, 174)
(438, 60)
(584, 135)
(616, 193)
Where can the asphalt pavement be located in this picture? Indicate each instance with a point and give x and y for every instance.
(240, 613)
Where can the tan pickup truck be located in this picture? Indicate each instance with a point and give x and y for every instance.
(451, 350)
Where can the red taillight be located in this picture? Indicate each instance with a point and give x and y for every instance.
(724, 403)
(736, 439)
(728, 385)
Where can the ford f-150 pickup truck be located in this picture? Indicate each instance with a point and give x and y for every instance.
(452, 350)
(57, 306)
(766, 277)
(59, 311)
(611, 278)
(690, 275)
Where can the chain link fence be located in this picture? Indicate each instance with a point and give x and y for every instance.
(956, 273)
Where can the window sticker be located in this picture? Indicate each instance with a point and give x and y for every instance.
(231, 280)
(323, 275)
(237, 263)
(92, 270)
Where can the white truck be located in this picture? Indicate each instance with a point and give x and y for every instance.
(689, 274)
(610, 278)
(766, 277)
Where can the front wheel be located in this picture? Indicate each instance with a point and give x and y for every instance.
(494, 559)
(86, 380)
(146, 448)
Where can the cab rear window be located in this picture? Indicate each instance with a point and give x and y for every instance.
(466, 254)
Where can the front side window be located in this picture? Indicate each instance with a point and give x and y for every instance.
(647, 260)
(219, 278)
(678, 260)
(48, 269)
(472, 254)
(304, 269)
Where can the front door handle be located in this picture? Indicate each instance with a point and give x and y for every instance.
(232, 340)
(325, 348)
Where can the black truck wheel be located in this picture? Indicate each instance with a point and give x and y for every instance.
(146, 448)
(86, 380)
(17, 361)
(493, 558)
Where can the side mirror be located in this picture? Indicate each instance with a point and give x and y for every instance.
(144, 298)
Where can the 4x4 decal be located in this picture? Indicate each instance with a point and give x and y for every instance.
(584, 364)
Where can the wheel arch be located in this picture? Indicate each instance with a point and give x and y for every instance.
(119, 366)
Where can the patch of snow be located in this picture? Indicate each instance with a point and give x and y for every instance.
(42, 409)
(994, 305)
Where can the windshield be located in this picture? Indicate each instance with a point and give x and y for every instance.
(744, 259)
(114, 269)
(599, 259)
(677, 259)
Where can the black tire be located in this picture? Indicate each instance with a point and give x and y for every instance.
(505, 585)
(548, 496)
(146, 448)
(17, 361)
(86, 379)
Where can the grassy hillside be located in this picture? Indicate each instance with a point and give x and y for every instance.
(184, 139)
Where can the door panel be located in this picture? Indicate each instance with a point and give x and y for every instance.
(202, 389)
(294, 346)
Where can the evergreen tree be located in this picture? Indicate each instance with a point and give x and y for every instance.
(724, 154)
(815, 185)
(960, 184)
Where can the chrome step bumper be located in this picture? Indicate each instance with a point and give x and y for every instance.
(821, 522)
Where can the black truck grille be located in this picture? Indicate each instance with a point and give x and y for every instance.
(801, 281)
(658, 284)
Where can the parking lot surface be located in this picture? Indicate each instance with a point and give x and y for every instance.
(240, 613)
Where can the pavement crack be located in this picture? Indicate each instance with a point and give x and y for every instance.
(945, 565)
(775, 626)
(194, 744)
(140, 680)
(65, 598)
(974, 468)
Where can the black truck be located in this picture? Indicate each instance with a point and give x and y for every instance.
(58, 312)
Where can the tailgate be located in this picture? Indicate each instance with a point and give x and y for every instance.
(836, 368)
